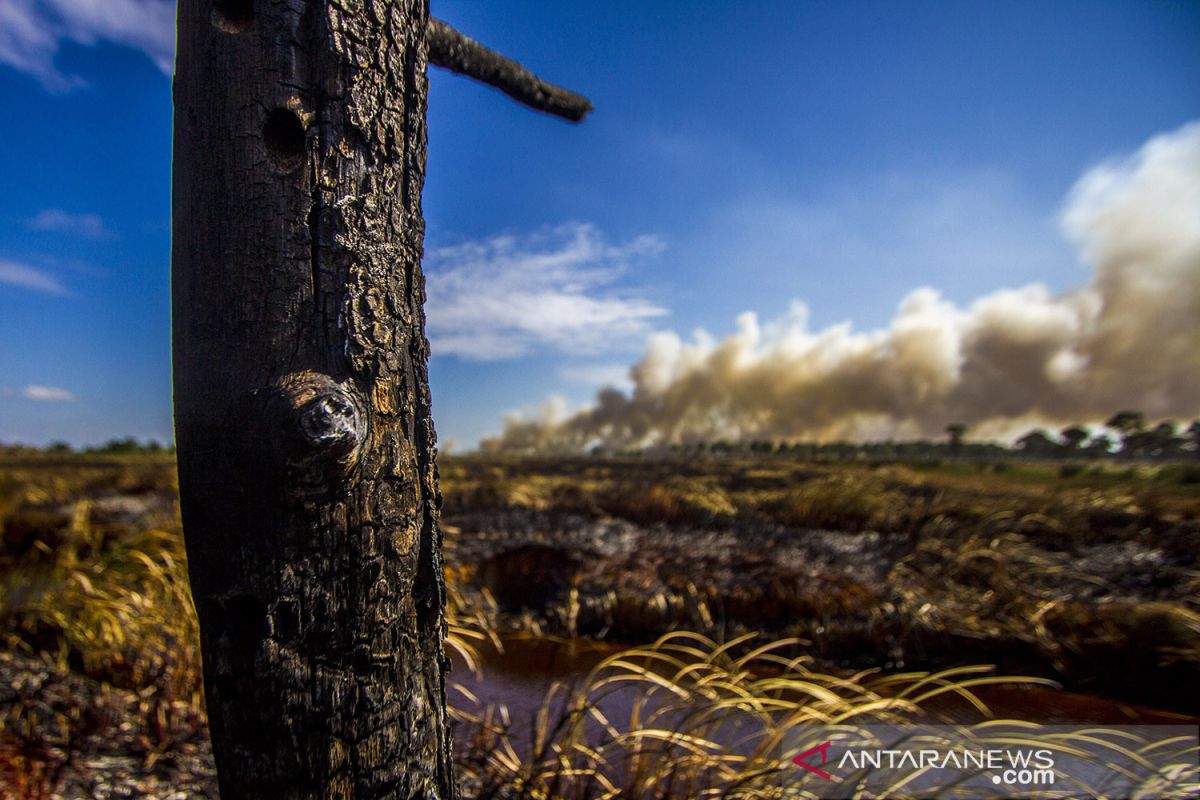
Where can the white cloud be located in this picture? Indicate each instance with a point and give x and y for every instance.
(51, 394)
(31, 32)
(509, 296)
(27, 277)
(55, 220)
(47, 393)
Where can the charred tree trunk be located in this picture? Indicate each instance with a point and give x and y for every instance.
(306, 458)
(302, 414)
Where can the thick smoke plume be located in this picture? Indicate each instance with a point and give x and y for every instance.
(1014, 358)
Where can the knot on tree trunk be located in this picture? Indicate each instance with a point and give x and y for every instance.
(317, 426)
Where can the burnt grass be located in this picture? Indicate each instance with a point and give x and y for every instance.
(1089, 576)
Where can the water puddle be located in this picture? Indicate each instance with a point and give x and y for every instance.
(522, 675)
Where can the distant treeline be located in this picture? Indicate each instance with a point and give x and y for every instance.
(126, 445)
(1127, 435)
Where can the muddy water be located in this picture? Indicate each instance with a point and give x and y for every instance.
(522, 675)
(522, 678)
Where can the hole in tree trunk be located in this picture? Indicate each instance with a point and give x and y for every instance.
(283, 134)
(233, 16)
(246, 622)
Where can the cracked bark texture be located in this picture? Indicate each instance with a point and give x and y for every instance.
(306, 449)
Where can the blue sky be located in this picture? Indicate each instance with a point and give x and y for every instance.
(741, 157)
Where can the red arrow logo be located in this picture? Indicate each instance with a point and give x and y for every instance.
(800, 761)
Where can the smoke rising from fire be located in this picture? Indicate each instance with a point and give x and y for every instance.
(1013, 358)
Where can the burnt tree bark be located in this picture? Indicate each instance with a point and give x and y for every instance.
(458, 53)
(307, 478)
(306, 449)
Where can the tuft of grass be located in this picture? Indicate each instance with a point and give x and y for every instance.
(114, 606)
(836, 503)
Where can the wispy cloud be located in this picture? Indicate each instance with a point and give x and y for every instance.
(32, 31)
(27, 277)
(510, 296)
(55, 220)
(49, 394)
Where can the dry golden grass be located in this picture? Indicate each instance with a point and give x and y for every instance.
(889, 497)
(706, 723)
(110, 599)
(103, 596)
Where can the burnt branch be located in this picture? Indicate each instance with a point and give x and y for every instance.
(459, 53)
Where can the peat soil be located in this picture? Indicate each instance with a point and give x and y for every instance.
(1109, 618)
